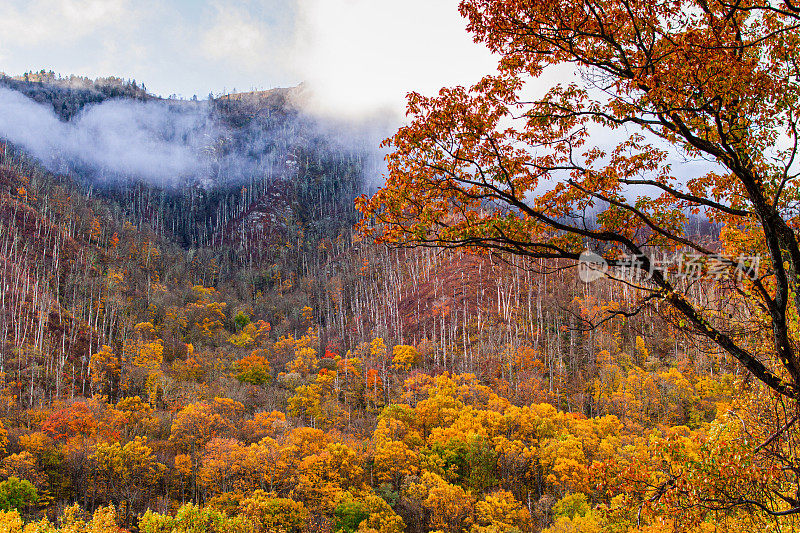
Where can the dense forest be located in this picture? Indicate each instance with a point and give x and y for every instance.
(571, 308)
(237, 358)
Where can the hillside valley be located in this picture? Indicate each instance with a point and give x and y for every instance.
(222, 346)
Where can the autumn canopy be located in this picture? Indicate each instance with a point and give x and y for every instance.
(591, 163)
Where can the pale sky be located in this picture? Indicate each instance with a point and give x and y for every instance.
(359, 56)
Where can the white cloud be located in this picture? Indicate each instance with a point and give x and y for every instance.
(360, 55)
(90, 14)
(59, 21)
(236, 37)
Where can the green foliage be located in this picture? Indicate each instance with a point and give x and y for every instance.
(193, 519)
(254, 370)
(349, 514)
(470, 461)
(520, 423)
(365, 511)
(572, 505)
(17, 493)
(241, 320)
(387, 492)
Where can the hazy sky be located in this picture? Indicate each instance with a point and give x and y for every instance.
(357, 55)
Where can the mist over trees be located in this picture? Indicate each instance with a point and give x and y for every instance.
(68, 96)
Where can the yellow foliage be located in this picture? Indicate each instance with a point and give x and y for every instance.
(183, 464)
(380, 516)
(305, 355)
(500, 509)
(275, 515)
(378, 348)
(404, 357)
(198, 423)
(24, 465)
(147, 355)
(394, 461)
(105, 368)
(10, 522)
(246, 337)
(579, 524)
(641, 349)
(450, 507)
(145, 329)
(222, 466)
(265, 424)
(253, 369)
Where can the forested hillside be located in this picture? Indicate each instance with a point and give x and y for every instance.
(233, 357)
(69, 96)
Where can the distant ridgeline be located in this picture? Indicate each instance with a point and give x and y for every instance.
(265, 172)
(68, 95)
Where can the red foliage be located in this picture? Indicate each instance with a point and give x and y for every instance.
(76, 419)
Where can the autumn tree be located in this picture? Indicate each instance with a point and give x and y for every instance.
(490, 167)
(591, 163)
(74, 420)
(142, 360)
(135, 417)
(253, 369)
(404, 357)
(193, 519)
(222, 465)
(449, 506)
(365, 511)
(104, 367)
(126, 473)
(282, 515)
(197, 424)
(501, 510)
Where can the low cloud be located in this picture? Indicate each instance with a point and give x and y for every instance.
(152, 141)
(172, 143)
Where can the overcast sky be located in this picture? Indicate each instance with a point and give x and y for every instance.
(357, 55)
